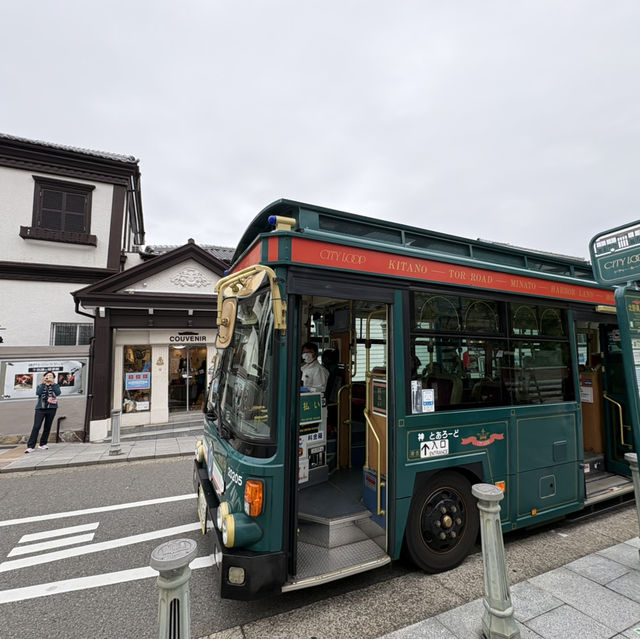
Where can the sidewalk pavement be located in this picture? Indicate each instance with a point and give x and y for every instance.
(596, 597)
(66, 454)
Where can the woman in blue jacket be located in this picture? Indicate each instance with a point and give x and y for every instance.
(46, 407)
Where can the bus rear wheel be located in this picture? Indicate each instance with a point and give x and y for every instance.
(443, 522)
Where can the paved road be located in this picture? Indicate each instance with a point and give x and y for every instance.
(100, 585)
(75, 547)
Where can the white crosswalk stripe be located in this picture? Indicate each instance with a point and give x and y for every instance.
(99, 509)
(53, 543)
(45, 546)
(93, 581)
(57, 555)
(58, 532)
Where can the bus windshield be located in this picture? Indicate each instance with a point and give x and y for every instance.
(240, 393)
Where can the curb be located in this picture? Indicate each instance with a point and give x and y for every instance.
(81, 457)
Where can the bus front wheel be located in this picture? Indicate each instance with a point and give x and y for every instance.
(443, 522)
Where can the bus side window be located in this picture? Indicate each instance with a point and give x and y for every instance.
(447, 388)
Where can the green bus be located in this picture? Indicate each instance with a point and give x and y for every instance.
(448, 362)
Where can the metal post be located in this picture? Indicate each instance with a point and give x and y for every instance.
(171, 560)
(497, 620)
(115, 449)
(61, 418)
(632, 460)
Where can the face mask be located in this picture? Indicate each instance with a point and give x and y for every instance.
(307, 358)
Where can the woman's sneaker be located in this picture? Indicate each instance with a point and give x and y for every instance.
(45, 447)
(29, 450)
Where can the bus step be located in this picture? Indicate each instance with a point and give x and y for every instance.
(323, 565)
(335, 499)
(605, 486)
(340, 532)
(594, 466)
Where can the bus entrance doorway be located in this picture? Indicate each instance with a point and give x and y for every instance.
(341, 497)
(618, 433)
(605, 419)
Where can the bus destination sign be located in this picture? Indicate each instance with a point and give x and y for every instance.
(615, 255)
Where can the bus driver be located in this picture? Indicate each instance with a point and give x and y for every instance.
(314, 374)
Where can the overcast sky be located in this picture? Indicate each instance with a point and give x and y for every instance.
(505, 120)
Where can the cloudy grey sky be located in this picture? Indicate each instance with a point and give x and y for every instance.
(509, 120)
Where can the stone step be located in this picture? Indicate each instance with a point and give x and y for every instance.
(161, 431)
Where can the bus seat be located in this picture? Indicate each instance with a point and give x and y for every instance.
(336, 374)
(447, 389)
(487, 391)
(329, 358)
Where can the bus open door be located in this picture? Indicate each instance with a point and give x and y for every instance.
(340, 495)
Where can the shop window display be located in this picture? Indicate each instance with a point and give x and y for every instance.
(136, 394)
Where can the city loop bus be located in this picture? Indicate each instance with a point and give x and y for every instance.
(449, 362)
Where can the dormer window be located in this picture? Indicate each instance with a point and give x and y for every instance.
(61, 212)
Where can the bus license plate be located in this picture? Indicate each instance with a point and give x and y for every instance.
(202, 510)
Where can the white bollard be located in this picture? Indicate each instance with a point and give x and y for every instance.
(115, 449)
(632, 460)
(497, 620)
(171, 560)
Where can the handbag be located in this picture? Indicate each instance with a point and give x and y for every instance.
(52, 400)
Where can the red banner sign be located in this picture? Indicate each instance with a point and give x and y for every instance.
(474, 441)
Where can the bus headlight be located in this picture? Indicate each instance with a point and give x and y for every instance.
(199, 452)
(221, 512)
(240, 530)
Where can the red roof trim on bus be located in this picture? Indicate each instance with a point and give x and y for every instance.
(251, 258)
(304, 251)
(272, 249)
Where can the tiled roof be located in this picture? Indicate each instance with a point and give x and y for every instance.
(223, 253)
(99, 154)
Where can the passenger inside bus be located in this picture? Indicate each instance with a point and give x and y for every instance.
(314, 374)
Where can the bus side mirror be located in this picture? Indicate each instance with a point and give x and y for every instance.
(226, 321)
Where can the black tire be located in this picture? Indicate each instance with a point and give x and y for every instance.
(443, 522)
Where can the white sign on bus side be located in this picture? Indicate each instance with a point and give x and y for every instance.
(434, 448)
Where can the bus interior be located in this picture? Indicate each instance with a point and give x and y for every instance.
(341, 498)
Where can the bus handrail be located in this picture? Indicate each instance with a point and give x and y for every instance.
(382, 312)
(340, 421)
(368, 377)
(353, 339)
(613, 401)
(238, 279)
(378, 473)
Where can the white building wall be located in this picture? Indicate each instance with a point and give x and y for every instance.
(133, 259)
(28, 309)
(186, 277)
(16, 210)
